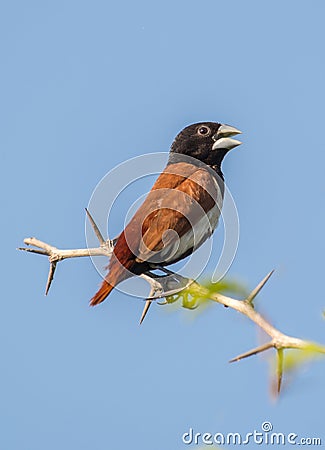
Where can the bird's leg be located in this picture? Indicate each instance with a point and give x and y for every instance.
(171, 282)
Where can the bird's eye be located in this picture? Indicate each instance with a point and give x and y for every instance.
(203, 131)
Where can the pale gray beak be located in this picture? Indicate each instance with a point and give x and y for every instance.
(227, 130)
(222, 138)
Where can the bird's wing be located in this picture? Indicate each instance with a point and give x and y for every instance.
(127, 245)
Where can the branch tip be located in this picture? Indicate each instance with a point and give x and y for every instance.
(33, 250)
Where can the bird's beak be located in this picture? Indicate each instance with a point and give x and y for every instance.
(223, 138)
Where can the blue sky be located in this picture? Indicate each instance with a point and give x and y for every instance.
(88, 85)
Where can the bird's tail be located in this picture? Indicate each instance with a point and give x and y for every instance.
(101, 294)
(116, 274)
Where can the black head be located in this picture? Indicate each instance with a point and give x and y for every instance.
(206, 141)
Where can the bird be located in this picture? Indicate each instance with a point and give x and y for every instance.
(180, 211)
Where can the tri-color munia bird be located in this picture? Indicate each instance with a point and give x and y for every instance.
(181, 210)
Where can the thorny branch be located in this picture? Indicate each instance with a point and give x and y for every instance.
(172, 283)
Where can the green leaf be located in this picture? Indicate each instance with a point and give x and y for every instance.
(189, 299)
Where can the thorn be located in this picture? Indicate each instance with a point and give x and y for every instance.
(145, 310)
(279, 369)
(50, 276)
(255, 351)
(253, 294)
(95, 228)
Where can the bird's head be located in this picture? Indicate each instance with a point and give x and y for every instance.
(206, 141)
